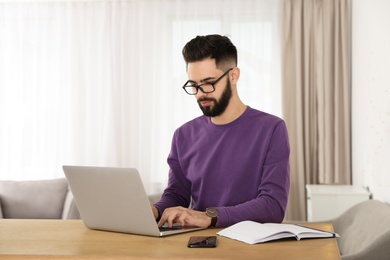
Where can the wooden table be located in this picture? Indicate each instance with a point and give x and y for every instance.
(69, 239)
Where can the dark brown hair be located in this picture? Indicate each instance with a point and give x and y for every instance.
(212, 46)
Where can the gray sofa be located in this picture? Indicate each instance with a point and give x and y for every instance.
(364, 231)
(43, 199)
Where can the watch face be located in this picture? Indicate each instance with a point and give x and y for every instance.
(211, 212)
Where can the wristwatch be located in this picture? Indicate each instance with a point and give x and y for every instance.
(213, 213)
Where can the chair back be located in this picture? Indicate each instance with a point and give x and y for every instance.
(364, 231)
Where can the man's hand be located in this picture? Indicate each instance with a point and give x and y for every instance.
(184, 217)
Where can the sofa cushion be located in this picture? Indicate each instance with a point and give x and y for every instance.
(33, 199)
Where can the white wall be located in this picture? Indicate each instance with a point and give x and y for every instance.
(371, 96)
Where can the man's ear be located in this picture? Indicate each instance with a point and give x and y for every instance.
(234, 75)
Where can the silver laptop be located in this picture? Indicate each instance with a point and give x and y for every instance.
(114, 199)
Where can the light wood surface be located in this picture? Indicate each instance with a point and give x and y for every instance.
(70, 239)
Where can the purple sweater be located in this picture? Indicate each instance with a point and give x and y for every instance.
(240, 168)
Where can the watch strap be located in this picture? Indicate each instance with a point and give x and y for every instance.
(213, 221)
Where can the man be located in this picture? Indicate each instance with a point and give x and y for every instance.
(232, 163)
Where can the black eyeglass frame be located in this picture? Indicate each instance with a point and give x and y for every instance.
(197, 87)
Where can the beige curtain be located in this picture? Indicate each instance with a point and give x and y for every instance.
(316, 95)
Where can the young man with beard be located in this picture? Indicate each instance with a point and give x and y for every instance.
(232, 163)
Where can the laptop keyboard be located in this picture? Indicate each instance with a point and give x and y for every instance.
(162, 229)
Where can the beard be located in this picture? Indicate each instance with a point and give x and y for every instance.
(219, 105)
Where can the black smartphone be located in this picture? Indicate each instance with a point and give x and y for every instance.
(199, 241)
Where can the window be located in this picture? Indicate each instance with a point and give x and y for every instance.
(99, 82)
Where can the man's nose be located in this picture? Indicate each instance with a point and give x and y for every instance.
(200, 94)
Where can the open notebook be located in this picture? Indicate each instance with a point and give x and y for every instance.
(252, 232)
(114, 199)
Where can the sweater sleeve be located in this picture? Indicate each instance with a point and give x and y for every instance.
(178, 191)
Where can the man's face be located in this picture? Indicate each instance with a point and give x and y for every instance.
(212, 104)
(216, 107)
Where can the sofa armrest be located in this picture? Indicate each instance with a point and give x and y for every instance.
(70, 210)
(1, 211)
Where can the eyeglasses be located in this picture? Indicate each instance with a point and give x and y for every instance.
(192, 89)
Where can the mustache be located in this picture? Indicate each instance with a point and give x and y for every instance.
(206, 99)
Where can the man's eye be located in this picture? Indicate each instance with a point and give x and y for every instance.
(190, 84)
